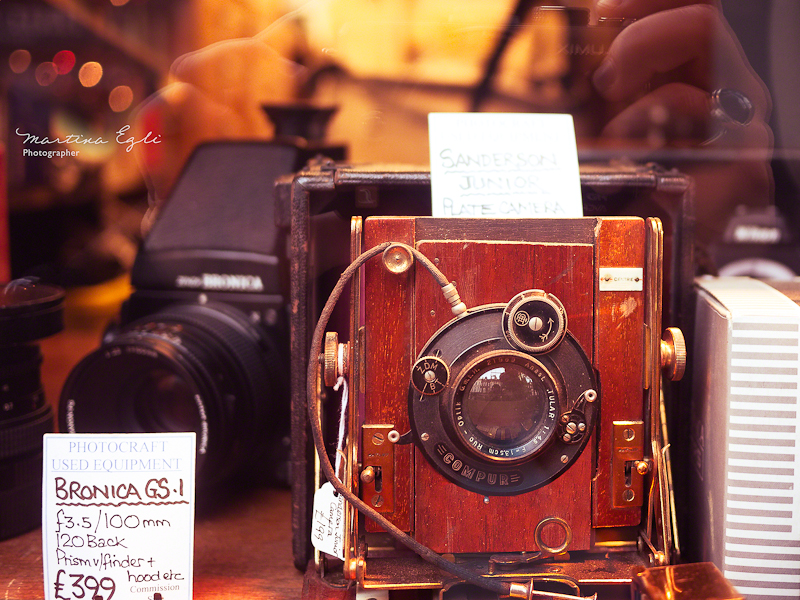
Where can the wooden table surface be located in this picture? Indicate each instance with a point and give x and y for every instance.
(242, 552)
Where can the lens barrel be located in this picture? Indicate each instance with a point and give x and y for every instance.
(29, 311)
(504, 407)
(190, 367)
(495, 426)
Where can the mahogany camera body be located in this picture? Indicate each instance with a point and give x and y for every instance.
(579, 490)
(421, 449)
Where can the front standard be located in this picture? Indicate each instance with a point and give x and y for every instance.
(513, 424)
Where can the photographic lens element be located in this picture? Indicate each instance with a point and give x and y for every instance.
(191, 367)
(164, 401)
(506, 406)
(28, 311)
(494, 426)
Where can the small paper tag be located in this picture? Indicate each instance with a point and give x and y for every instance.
(504, 165)
(118, 516)
(621, 279)
(327, 528)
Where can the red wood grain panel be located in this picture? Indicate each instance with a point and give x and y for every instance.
(403, 312)
(388, 300)
(619, 353)
(448, 517)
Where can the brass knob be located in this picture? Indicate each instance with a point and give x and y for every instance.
(330, 358)
(368, 475)
(673, 353)
(397, 259)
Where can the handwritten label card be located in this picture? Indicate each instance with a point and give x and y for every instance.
(327, 529)
(504, 165)
(118, 516)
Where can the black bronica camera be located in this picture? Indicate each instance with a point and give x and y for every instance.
(202, 343)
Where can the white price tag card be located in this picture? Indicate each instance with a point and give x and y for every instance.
(118, 516)
(504, 165)
(327, 528)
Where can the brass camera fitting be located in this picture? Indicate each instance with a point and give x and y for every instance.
(659, 559)
(451, 295)
(355, 569)
(520, 590)
(673, 353)
(526, 591)
(368, 475)
(397, 259)
(655, 558)
(334, 359)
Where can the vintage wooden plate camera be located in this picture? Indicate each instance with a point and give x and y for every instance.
(521, 438)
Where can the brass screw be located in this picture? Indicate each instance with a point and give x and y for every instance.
(378, 439)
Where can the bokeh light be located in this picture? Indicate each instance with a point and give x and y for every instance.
(64, 61)
(46, 73)
(90, 74)
(119, 2)
(120, 98)
(19, 61)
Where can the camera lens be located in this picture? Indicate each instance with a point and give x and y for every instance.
(505, 406)
(493, 423)
(202, 368)
(164, 401)
(28, 311)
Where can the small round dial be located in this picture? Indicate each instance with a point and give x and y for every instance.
(534, 321)
(429, 375)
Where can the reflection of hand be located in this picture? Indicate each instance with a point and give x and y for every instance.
(662, 69)
(239, 73)
(678, 51)
(215, 93)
